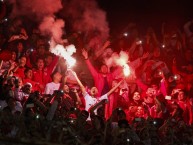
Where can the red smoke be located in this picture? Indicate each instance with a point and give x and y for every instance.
(41, 11)
(35, 9)
(88, 18)
(85, 16)
(52, 27)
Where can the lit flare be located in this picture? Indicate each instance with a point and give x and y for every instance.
(66, 53)
(126, 70)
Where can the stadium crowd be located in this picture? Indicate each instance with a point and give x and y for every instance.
(43, 101)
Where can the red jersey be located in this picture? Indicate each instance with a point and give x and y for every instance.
(20, 72)
(41, 77)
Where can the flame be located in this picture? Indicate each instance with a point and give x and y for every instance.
(122, 60)
(66, 53)
(70, 61)
(126, 70)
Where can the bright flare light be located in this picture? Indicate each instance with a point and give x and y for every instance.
(122, 61)
(70, 61)
(126, 70)
(66, 53)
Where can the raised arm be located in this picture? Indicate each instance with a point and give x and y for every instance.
(132, 48)
(163, 84)
(175, 70)
(137, 62)
(99, 53)
(10, 70)
(83, 89)
(78, 100)
(90, 66)
(114, 88)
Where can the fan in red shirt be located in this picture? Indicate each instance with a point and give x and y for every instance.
(185, 105)
(40, 75)
(28, 79)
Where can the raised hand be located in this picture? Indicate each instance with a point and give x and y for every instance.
(84, 53)
(13, 65)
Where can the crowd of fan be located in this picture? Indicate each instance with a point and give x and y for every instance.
(42, 101)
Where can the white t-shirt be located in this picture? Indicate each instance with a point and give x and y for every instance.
(51, 87)
(90, 101)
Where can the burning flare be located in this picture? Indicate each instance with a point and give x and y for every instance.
(66, 53)
(122, 61)
(126, 70)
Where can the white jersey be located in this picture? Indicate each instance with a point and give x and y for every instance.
(51, 87)
(90, 101)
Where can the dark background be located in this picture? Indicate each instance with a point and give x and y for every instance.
(146, 13)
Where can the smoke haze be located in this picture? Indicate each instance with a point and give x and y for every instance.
(52, 27)
(117, 59)
(35, 9)
(84, 16)
(88, 18)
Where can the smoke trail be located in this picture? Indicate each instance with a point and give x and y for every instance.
(52, 27)
(120, 59)
(87, 17)
(117, 59)
(123, 58)
(42, 11)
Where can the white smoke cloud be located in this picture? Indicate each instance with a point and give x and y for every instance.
(43, 12)
(52, 27)
(85, 16)
(122, 60)
(117, 59)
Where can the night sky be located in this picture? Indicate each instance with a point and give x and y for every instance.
(146, 12)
